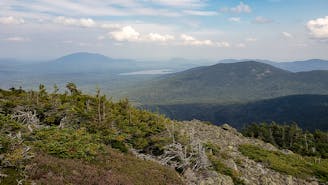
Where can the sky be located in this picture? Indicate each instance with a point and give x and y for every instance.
(280, 30)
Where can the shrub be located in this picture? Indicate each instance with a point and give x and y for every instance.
(216, 157)
(68, 143)
(291, 164)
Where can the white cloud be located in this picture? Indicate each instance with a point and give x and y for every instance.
(223, 44)
(262, 20)
(87, 22)
(318, 28)
(93, 8)
(70, 8)
(75, 22)
(287, 35)
(130, 34)
(241, 8)
(11, 20)
(200, 13)
(159, 37)
(17, 39)
(189, 40)
(126, 33)
(180, 3)
(234, 19)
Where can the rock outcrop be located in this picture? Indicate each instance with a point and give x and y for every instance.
(228, 139)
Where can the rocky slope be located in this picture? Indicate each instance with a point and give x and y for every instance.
(228, 141)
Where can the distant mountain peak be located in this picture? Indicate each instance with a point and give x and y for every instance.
(83, 56)
(88, 62)
(247, 67)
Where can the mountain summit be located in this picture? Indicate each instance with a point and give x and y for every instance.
(83, 57)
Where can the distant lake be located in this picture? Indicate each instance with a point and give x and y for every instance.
(149, 72)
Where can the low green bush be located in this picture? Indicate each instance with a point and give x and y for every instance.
(291, 164)
(216, 156)
(68, 143)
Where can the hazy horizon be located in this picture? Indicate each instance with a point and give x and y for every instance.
(206, 60)
(277, 30)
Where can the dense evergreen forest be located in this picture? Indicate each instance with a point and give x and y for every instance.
(310, 112)
(291, 137)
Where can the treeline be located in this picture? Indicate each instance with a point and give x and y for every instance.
(290, 137)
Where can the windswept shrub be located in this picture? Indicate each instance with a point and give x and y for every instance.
(291, 164)
(216, 156)
(68, 143)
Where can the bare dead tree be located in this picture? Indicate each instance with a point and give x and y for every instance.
(191, 155)
(171, 130)
(62, 123)
(27, 117)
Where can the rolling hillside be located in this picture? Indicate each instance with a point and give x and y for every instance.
(292, 66)
(229, 83)
(306, 65)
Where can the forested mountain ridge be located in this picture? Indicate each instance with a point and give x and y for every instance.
(229, 83)
(308, 111)
(292, 66)
(58, 138)
(306, 65)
